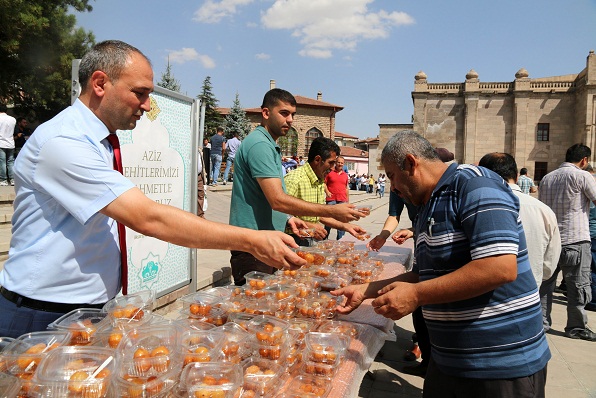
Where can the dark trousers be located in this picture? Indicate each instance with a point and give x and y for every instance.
(438, 384)
(242, 263)
(17, 320)
(421, 334)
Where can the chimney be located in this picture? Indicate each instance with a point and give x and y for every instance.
(319, 96)
(271, 84)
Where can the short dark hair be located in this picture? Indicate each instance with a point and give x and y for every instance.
(523, 171)
(577, 152)
(501, 163)
(3, 107)
(108, 56)
(323, 147)
(218, 129)
(276, 95)
(20, 118)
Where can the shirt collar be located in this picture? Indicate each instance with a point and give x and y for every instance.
(264, 131)
(514, 187)
(96, 127)
(310, 173)
(446, 177)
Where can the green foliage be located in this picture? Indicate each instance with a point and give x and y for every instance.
(168, 81)
(237, 120)
(38, 42)
(213, 119)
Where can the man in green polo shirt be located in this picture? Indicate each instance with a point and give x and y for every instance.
(259, 198)
(308, 183)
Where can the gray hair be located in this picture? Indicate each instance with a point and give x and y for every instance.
(407, 142)
(109, 56)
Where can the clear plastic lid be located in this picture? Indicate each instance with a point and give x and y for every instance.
(261, 376)
(9, 385)
(131, 308)
(241, 319)
(200, 303)
(222, 380)
(345, 328)
(220, 291)
(25, 353)
(202, 346)
(268, 330)
(193, 324)
(82, 324)
(313, 256)
(133, 386)
(257, 280)
(76, 371)
(308, 387)
(326, 348)
(149, 350)
(216, 316)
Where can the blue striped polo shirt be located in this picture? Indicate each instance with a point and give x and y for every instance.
(473, 214)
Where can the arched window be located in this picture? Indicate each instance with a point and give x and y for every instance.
(289, 143)
(310, 136)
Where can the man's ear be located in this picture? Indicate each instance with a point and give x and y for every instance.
(265, 113)
(98, 81)
(410, 163)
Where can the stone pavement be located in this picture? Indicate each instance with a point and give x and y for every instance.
(569, 373)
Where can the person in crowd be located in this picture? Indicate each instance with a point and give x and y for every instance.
(207, 160)
(201, 184)
(525, 183)
(471, 276)
(288, 164)
(301, 161)
(381, 182)
(337, 190)
(218, 147)
(371, 183)
(568, 191)
(308, 183)
(591, 306)
(21, 134)
(396, 206)
(540, 227)
(231, 148)
(66, 251)
(7, 127)
(259, 198)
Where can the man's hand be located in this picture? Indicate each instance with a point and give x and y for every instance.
(320, 231)
(296, 225)
(345, 212)
(354, 230)
(376, 243)
(271, 247)
(355, 295)
(402, 235)
(396, 300)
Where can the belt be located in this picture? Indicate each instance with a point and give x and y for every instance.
(47, 306)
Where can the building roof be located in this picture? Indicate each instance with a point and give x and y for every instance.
(374, 140)
(342, 135)
(353, 152)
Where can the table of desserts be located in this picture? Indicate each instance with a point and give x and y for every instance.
(277, 336)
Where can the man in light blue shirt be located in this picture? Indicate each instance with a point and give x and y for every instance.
(231, 147)
(65, 252)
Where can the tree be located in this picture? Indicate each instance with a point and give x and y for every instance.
(38, 42)
(213, 118)
(237, 120)
(168, 81)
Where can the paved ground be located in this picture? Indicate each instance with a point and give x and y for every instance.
(569, 373)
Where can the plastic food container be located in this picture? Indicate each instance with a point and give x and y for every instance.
(257, 280)
(324, 271)
(335, 281)
(308, 386)
(205, 380)
(4, 342)
(132, 308)
(319, 369)
(202, 346)
(237, 343)
(326, 348)
(321, 306)
(216, 316)
(268, 330)
(9, 385)
(258, 307)
(241, 319)
(261, 376)
(24, 354)
(81, 323)
(149, 351)
(364, 209)
(345, 328)
(200, 304)
(76, 372)
(220, 291)
(312, 256)
(130, 386)
(192, 324)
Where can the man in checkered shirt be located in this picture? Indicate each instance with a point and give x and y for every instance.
(568, 191)
(525, 183)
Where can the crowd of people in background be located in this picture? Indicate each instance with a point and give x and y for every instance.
(13, 135)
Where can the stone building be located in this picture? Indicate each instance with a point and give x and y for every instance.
(534, 119)
(314, 118)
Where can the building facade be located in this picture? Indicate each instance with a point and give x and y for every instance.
(533, 119)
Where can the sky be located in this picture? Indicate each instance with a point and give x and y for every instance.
(360, 54)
